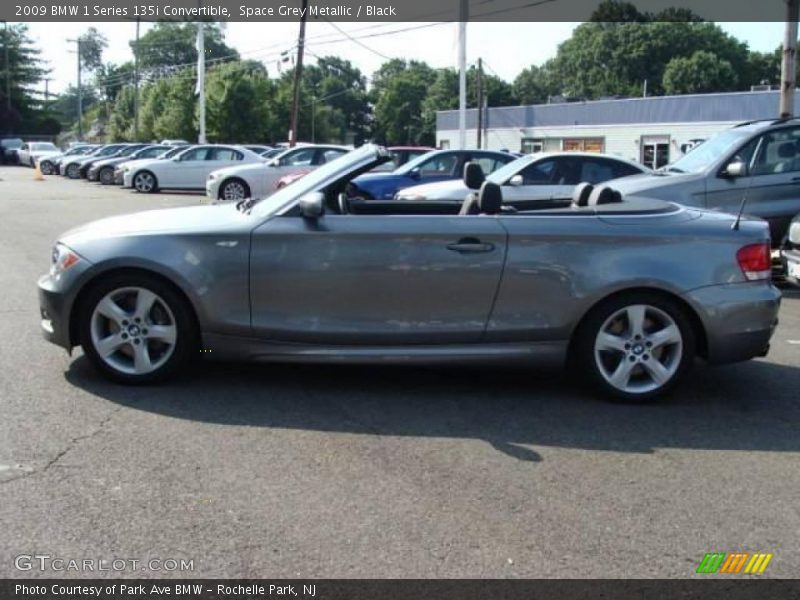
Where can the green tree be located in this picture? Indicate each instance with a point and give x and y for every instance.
(702, 72)
(237, 102)
(92, 44)
(121, 121)
(25, 71)
(170, 47)
(168, 110)
(399, 90)
(534, 85)
(111, 78)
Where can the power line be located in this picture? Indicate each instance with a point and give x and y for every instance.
(351, 38)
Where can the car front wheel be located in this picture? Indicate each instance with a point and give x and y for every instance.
(106, 175)
(145, 182)
(136, 329)
(73, 171)
(46, 167)
(234, 190)
(636, 347)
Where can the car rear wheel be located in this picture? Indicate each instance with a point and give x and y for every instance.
(636, 347)
(73, 171)
(145, 182)
(47, 167)
(234, 189)
(136, 329)
(106, 175)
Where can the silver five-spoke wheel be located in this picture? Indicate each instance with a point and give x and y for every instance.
(133, 331)
(638, 349)
(144, 182)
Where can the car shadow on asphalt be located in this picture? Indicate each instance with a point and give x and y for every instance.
(750, 406)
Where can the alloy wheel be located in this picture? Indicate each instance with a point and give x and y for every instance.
(133, 330)
(73, 172)
(144, 182)
(234, 190)
(638, 349)
(106, 176)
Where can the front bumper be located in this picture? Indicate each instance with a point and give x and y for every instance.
(127, 179)
(790, 259)
(91, 174)
(119, 177)
(212, 189)
(739, 319)
(57, 295)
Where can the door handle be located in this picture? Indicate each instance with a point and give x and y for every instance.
(470, 246)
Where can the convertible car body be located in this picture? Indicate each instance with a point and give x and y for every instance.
(311, 274)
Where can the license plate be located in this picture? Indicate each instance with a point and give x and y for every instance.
(794, 270)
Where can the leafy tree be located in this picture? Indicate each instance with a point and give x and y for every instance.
(168, 110)
(111, 78)
(534, 85)
(237, 108)
(92, 44)
(700, 73)
(25, 72)
(399, 90)
(121, 121)
(66, 105)
(169, 47)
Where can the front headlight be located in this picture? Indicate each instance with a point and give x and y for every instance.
(62, 258)
(794, 233)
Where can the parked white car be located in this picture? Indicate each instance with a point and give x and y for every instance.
(260, 180)
(539, 176)
(187, 170)
(31, 152)
(128, 165)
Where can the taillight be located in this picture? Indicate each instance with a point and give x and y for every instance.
(755, 261)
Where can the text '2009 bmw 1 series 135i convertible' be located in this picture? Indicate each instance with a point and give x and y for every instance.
(628, 292)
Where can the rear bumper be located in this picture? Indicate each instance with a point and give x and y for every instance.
(790, 261)
(739, 319)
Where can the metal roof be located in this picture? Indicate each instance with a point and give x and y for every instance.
(728, 107)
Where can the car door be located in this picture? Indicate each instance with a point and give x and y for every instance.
(771, 186)
(186, 169)
(22, 154)
(375, 279)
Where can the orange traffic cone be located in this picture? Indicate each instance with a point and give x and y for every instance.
(37, 173)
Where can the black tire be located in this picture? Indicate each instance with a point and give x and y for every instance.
(106, 175)
(138, 182)
(232, 183)
(47, 167)
(73, 171)
(586, 357)
(184, 349)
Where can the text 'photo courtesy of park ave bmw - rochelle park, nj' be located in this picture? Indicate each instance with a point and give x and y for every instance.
(331, 300)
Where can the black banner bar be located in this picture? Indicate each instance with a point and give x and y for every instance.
(403, 589)
(373, 10)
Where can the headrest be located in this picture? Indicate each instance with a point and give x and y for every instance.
(473, 175)
(580, 195)
(787, 150)
(604, 195)
(490, 198)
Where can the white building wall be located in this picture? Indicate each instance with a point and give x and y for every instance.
(619, 140)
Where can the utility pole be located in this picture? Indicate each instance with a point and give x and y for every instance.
(313, 119)
(480, 103)
(462, 77)
(788, 62)
(201, 81)
(80, 90)
(7, 72)
(298, 74)
(46, 91)
(136, 85)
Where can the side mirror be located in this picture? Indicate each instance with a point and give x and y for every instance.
(312, 205)
(737, 168)
(414, 173)
(516, 180)
(473, 176)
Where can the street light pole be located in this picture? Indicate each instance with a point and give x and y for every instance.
(788, 63)
(298, 74)
(7, 72)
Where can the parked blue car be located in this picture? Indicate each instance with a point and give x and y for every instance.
(439, 165)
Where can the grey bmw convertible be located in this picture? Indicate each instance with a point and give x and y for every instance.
(627, 292)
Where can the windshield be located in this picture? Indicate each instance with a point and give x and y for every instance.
(701, 157)
(43, 146)
(412, 164)
(286, 195)
(128, 150)
(173, 152)
(507, 171)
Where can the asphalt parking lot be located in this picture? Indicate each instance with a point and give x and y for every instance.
(359, 472)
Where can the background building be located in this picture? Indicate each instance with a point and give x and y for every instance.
(653, 131)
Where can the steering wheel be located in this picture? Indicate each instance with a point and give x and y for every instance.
(344, 207)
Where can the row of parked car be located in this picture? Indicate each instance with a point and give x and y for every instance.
(757, 163)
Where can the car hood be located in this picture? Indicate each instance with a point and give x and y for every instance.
(212, 219)
(439, 190)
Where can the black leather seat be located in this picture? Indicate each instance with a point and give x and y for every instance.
(581, 193)
(604, 194)
(490, 199)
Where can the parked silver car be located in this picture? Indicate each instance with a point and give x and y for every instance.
(629, 291)
(543, 175)
(757, 161)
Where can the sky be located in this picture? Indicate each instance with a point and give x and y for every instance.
(506, 48)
